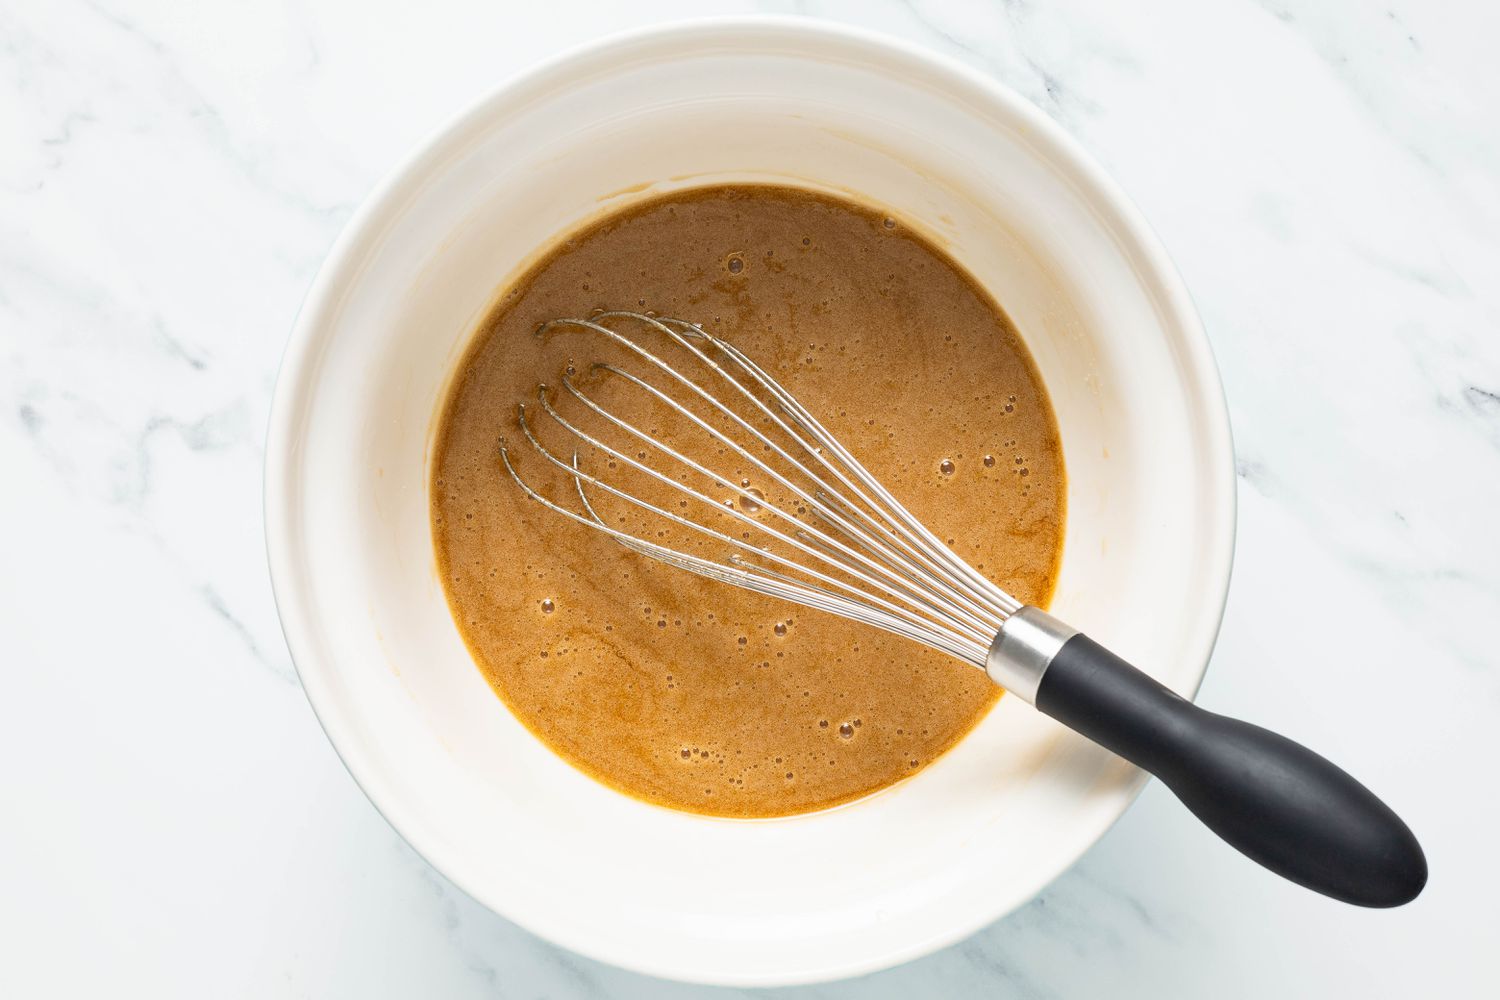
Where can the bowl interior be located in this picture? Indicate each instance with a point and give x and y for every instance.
(855, 888)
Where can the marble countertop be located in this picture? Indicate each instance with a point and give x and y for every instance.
(173, 822)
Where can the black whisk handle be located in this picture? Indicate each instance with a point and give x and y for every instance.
(1274, 800)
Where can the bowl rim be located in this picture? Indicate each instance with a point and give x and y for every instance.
(386, 201)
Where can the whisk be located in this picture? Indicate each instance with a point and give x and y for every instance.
(825, 534)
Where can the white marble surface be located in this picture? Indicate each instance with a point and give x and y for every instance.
(172, 821)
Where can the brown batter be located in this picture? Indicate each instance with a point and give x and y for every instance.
(693, 694)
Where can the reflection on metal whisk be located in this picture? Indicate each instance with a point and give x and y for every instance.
(832, 538)
(865, 556)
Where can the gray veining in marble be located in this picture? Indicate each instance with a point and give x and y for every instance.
(173, 823)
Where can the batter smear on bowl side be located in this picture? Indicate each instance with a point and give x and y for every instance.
(699, 696)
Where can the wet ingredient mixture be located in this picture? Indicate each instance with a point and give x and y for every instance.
(701, 696)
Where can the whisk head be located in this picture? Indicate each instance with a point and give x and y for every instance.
(663, 439)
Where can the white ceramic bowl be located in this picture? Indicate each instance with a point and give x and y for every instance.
(952, 153)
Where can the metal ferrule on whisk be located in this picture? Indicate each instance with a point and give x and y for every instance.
(1023, 650)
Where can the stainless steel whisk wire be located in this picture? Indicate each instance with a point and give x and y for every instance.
(913, 585)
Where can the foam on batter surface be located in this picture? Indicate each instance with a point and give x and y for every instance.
(697, 695)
